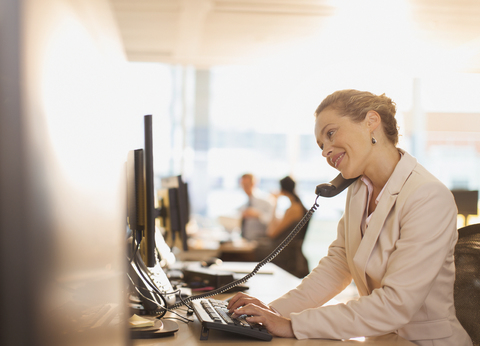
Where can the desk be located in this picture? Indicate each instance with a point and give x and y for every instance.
(269, 285)
(239, 250)
(202, 247)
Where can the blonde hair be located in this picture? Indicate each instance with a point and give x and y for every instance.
(356, 104)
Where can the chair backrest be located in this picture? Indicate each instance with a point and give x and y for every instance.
(467, 282)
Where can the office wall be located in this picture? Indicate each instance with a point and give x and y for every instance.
(63, 144)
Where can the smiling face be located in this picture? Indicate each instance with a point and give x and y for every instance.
(345, 144)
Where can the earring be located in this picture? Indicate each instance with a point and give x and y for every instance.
(374, 140)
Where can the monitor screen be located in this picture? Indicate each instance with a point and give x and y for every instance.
(135, 194)
(467, 201)
(174, 197)
(150, 212)
(141, 210)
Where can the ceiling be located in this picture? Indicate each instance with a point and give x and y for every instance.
(214, 32)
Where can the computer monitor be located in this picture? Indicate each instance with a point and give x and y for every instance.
(141, 211)
(174, 198)
(135, 195)
(151, 290)
(467, 202)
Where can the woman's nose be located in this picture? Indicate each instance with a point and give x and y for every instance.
(327, 151)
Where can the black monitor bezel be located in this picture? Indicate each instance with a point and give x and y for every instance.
(150, 211)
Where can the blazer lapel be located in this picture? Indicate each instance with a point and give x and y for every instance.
(387, 200)
(375, 227)
(353, 240)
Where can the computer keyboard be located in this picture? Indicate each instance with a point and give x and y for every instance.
(213, 314)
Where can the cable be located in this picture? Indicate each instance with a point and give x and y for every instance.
(137, 288)
(149, 279)
(182, 318)
(184, 302)
(134, 247)
(267, 259)
(136, 261)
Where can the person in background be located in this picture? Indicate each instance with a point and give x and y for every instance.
(256, 213)
(291, 258)
(396, 240)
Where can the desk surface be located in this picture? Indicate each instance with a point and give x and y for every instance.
(268, 284)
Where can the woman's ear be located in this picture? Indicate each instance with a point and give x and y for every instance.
(373, 119)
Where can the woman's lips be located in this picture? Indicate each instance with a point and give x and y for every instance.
(337, 159)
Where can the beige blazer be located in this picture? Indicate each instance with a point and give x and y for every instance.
(403, 267)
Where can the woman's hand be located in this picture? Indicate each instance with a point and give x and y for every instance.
(242, 299)
(259, 312)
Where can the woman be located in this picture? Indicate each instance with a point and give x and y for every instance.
(291, 258)
(395, 240)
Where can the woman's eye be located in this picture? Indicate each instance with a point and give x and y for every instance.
(330, 134)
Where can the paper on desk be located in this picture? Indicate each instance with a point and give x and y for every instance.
(139, 322)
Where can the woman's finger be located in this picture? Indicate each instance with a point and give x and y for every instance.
(236, 300)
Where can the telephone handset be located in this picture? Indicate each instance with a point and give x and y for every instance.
(331, 189)
(334, 187)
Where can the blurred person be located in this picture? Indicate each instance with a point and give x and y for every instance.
(291, 258)
(256, 213)
(396, 240)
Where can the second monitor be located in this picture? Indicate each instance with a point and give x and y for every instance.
(174, 201)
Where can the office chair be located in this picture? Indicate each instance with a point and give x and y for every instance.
(467, 281)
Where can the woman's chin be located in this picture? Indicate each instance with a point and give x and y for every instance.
(348, 175)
